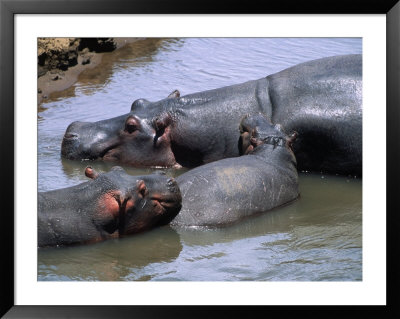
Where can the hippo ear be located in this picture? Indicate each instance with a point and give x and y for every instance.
(138, 104)
(292, 138)
(91, 173)
(174, 94)
(161, 122)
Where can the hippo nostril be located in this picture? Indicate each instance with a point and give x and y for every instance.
(172, 185)
(171, 182)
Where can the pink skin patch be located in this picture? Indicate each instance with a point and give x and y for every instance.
(91, 173)
(246, 147)
(142, 189)
(162, 156)
(165, 138)
(108, 206)
(129, 204)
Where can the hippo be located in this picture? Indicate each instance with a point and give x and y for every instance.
(111, 205)
(223, 192)
(320, 99)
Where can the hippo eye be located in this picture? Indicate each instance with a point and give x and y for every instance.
(130, 128)
(131, 125)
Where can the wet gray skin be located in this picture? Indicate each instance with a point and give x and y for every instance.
(113, 204)
(320, 99)
(225, 191)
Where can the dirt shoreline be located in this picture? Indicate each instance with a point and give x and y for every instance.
(61, 60)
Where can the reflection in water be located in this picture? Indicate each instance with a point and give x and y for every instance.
(136, 54)
(132, 55)
(111, 260)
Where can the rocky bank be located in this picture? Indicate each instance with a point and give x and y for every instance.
(61, 60)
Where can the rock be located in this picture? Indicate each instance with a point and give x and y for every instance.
(62, 53)
(86, 60)
(98, 44)
(56, 53)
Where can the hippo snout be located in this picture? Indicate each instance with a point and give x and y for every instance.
(71, 142)
(82, 141)
(75, 127)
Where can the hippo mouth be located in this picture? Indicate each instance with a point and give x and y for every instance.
(109, 154)
(72, 148)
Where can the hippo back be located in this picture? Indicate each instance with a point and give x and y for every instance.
(228, 190)
(322, 101)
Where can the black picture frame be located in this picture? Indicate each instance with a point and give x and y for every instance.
(9, 8)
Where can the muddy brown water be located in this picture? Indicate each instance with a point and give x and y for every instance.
(317, 238)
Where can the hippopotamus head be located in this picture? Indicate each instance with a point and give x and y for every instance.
(139, 138)
(131, 204)
(257, 129)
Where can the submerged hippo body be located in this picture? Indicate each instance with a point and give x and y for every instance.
(320, 99)
(111, 205)
(225, 191)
